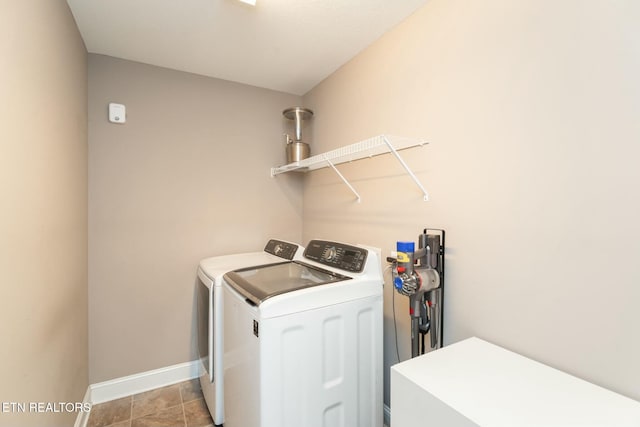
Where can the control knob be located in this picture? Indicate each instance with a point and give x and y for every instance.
(329, 253)
(278, 249)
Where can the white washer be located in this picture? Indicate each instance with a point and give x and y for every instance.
(303, 341)
(210, 307)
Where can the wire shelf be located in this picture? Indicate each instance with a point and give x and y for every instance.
(360, 150)
(367, 148)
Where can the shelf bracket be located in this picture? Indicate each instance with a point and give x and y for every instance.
(353, 190)
(406, 168)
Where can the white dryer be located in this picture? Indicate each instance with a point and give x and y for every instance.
(210, 306)
(303, 340)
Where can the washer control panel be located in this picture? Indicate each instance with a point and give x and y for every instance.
(282, 249)
(339, 255)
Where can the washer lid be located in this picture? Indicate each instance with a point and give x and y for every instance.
(262, 282)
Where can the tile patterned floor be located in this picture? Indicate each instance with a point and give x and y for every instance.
(178, 405)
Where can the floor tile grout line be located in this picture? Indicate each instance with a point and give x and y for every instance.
(184, 415)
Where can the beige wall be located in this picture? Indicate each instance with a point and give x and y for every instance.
(532, 111)
(531, 108)
(43, 214)
(187, 177)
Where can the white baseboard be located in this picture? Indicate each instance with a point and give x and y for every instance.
(387, 415)
(83, 417)
(137, 383)
(144, 381)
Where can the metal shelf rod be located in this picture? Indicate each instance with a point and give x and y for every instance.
(353, 190)
(407, 169)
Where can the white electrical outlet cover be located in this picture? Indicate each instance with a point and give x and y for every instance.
(117, 113)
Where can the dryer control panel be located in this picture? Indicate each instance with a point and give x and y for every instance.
(282, 249)
(338, 255)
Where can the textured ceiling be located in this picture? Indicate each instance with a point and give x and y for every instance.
(285, 45)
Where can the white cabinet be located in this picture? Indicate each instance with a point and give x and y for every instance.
(475, 383)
